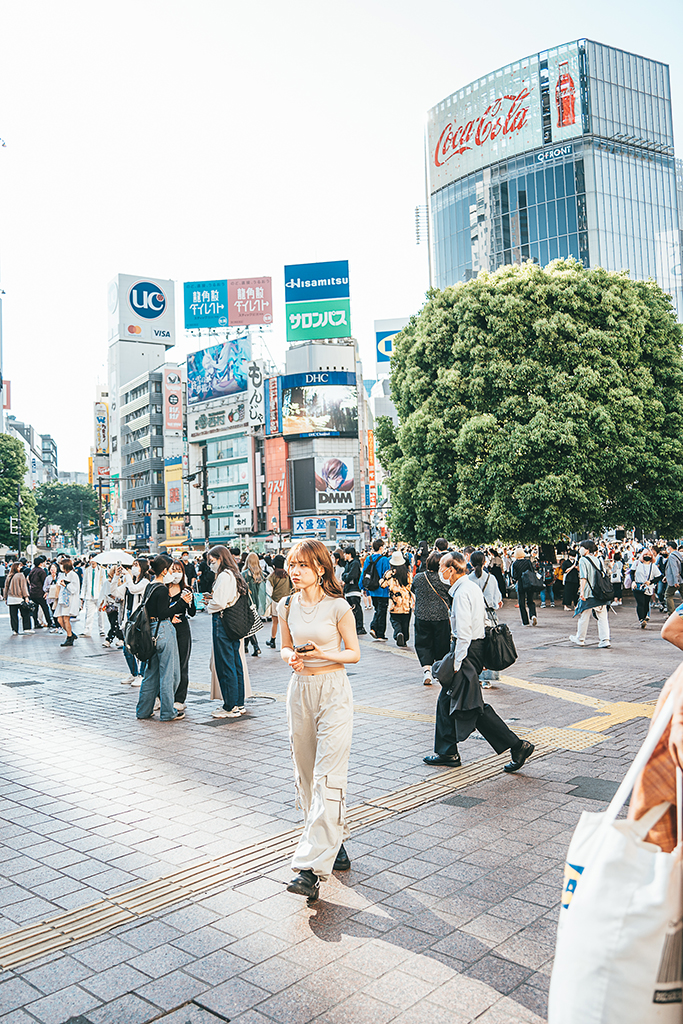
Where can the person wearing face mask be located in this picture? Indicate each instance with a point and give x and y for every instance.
(227, 660)
(162, 671)
(177, 587)
(644, 585)
(135, 582)
(589, 604)
(460, 708)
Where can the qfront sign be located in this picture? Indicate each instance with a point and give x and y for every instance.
(141, 309)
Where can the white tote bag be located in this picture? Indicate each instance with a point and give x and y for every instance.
(620, 935)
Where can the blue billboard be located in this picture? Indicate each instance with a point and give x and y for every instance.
(306, 282)
(218, 371)
(385, 332)
(206, 304)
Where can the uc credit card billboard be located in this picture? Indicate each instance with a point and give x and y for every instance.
(317, 300)
(141, 309)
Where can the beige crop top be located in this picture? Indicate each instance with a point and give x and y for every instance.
(319, 623)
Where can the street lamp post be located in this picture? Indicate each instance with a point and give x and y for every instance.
(19, 504)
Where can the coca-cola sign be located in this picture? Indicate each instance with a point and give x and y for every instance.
(487, 121)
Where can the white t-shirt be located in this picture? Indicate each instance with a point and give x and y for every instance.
(319, 623)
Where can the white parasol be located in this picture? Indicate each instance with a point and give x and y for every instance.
(114, 557)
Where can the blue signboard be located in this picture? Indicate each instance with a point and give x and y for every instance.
(305, 282)
(206, 304)
(384, 341)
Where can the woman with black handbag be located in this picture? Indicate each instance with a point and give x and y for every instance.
(228, 587)
(521, 566)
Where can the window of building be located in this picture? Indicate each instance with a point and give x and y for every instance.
(157, 387)
(158, 501)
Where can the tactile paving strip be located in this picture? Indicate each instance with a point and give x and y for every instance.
(27, 944)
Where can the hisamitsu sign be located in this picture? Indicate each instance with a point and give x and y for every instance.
(307, 281)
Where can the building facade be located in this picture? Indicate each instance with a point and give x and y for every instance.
(569, 152)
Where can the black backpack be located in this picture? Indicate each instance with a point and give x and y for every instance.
(137, 633)
(603, 591)
(370, 579)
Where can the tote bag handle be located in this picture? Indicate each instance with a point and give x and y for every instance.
(642, 757)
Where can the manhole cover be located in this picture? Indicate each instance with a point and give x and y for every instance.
(25, 682)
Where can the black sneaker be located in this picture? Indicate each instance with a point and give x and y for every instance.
(271, 644)
(342, 863)
(305, 884)
(400, 640)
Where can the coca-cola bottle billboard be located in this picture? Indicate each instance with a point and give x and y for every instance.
(565, 93)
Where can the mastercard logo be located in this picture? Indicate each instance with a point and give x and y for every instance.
(134, 329)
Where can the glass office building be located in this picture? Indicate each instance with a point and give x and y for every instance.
(568, 152)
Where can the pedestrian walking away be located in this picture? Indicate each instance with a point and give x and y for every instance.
(591, 603)
(432, 616)
(162, 671)
(280, 586)
(460, 707)
(351, 581)
(401, 599)
(256, 583)
(374, 569)
(315, 622)
(493, 601)
(523, 565)
(674, 575)
(15, 594)
(229, 585)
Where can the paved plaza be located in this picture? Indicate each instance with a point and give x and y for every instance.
(143, 864)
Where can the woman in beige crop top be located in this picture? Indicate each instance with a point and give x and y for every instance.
(319, 709)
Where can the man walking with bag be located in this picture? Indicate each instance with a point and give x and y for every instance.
(591, 574)
(460, 708)
(674, 575)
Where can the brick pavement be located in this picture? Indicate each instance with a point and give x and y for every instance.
(448, 913)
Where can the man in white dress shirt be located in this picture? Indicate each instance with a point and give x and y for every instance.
(468, 617)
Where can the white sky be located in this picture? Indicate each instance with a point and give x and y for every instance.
(199, 139)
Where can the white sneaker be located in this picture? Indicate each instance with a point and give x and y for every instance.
(127, 681)
(136, 681)
(486, 684)
(179, 706)
(222, 713)
(157, 704)
(575, 640)
(118, 643)
(604, 643)
(86, 634)
(27, 631)
(534, 620)
(107, 643)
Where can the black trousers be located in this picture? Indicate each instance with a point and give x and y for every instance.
(526, 600)
(253, 640)
(14, 610)
(489, 724)
(400, 624)
(379, 619)
(114, 628)
(184, 637)
(354, 601)
(432, 640)
(642, 604)
(40, 602)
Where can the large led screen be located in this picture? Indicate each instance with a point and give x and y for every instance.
(319, 404)
(218, 371)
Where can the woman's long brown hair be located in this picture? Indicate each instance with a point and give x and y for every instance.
(315, 554)
(227, 561)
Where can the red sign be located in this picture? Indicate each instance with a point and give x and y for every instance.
(250, 301)
(7, 398)
(277, 518)
(173, 402)
(505, 116)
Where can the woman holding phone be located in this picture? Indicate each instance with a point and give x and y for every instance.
(319, 639)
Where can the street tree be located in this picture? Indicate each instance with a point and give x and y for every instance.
(537, 402)
(12, 471)
(64, 505)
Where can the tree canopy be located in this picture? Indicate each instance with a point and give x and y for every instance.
(534, 403)
(60, 505)
(12, 470)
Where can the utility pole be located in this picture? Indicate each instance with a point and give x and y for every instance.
(279, 523)
(206, 508)
(19, 504)
(99, 512)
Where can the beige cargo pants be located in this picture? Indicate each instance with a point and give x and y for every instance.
(320, 719)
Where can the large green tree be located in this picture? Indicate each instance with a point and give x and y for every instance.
(12, 470)
(62, 505)
(535, 402)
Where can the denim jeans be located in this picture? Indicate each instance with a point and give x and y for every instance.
(228, 663)
(136, 668)
(551, 596)
(162, 675)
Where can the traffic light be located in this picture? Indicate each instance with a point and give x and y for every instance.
(350, 522)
